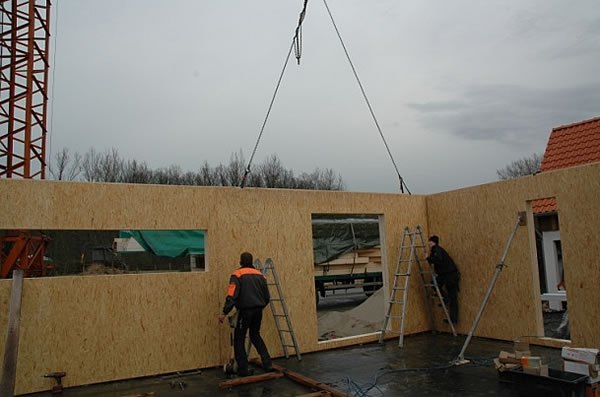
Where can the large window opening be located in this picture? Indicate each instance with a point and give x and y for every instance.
(348, 269)
(95, 252)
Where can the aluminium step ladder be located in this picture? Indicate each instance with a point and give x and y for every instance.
(407, 255)
(279, 310)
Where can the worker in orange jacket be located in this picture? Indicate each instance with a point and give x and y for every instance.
(249, 293)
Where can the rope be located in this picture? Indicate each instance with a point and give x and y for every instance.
(262, 129)
(297, 45)
(402, 183)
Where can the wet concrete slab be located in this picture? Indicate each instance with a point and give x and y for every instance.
(421, 368)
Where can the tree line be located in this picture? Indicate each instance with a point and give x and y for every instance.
(109, 166)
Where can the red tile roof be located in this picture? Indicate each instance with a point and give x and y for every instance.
(544, 205)
(573, 144)
(569, 145)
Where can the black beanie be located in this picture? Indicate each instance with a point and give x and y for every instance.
(246, 259)
(435, 239)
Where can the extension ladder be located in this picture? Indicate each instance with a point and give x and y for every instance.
(279, 309)
(407, 255)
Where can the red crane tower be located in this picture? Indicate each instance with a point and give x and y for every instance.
(24, 64)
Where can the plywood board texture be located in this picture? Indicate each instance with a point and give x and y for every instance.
(112, 327)
(104, 328)
(474, 225)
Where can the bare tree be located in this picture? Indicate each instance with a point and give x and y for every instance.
(90, 166)
(524, 166)
(103, 167)
(235, 170)
(65, 167)
(272, 172)
(135, 172)
(327, 180)
(168, 176)
(111, 166)
(207, 175)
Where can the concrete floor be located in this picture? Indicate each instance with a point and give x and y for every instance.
(378, 370)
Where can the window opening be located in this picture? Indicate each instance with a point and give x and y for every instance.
(348, 269)
(94, 252)
(553, 286)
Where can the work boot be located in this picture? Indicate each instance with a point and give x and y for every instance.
(267, 365)
(248, 372)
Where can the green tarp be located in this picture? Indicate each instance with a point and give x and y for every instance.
(335, 237)
(171, 243)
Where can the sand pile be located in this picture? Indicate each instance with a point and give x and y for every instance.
(98, 268)
(363, 319)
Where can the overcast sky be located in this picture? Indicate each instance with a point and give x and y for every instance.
(460, 88)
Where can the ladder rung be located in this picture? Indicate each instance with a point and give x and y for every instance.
(400, 302)
(399, 289)
(290, 346)
(394, 316)
(279, 315)
(402, 274)
(393, 332)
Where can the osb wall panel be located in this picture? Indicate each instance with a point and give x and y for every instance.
(105, 328)
(474, 225)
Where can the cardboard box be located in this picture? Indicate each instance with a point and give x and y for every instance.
(542, 370)
(584, 369)
(584, 355)
(531, 362)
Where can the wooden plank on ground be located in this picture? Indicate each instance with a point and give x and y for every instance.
(306, 381)
(244, 380)
(321, 393)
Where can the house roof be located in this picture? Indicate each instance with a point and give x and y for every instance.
(544, 206)
(573, 144)
(569, 145)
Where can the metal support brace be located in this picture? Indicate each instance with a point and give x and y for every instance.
(499, 267)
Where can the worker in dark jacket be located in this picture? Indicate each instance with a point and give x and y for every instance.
(249, 293)
(447, 274)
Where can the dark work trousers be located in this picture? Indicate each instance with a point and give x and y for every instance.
(249, 319)
(450, 281)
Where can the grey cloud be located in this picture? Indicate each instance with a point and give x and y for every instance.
(509, 114)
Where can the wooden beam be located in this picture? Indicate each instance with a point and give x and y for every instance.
(316, 394)
(11, 346)
(306, 381)
(244, 380)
